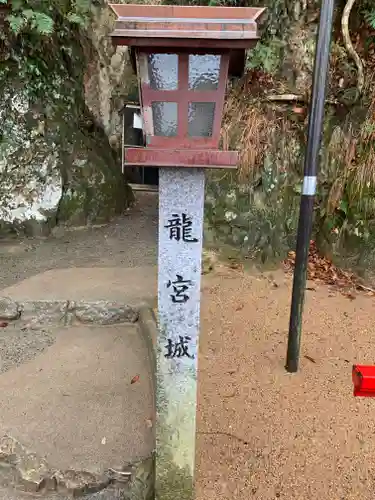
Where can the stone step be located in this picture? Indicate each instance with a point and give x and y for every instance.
(67, 394)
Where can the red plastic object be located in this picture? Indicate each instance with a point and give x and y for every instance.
(364, 381)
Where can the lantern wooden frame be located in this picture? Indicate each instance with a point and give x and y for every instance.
(182, 96)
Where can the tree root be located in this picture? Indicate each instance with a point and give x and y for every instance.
(349, 45)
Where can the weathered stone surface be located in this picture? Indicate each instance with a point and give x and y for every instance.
(32, 471)
(142, 485)
(299, 61)
(41, 313)
(109, 77)
(113, 492)
(23, 469)
(31, 184)
(105, 313)
(9, 309)
(80, 482)
(10, 449)
(259, 220)
(44, 313)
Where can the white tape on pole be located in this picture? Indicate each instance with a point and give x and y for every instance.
(309, 185)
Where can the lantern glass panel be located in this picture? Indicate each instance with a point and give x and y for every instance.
(201, 119)
(204, 71)
(163, 71)
(165, 116)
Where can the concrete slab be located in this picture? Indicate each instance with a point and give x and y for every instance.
(74, 402)
(126, 285)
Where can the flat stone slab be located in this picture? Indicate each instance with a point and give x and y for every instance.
(111, 493)
(74, 405)
(124, 285)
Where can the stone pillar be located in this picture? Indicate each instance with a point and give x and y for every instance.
(181, 208)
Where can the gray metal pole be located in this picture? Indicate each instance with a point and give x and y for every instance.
(309, 183)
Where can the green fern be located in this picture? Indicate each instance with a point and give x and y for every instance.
(48, 47)
(16, 23)
(36, 21)
(266, 56)
(76, 19)
(25, 17)
(42, 23)
(370, 17)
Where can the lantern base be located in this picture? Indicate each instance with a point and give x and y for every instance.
(192, 158)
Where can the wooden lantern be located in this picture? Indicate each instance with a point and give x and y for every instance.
(183, 57)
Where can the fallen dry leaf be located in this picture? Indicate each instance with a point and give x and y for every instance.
(134, 379)
(149, 423)
(320, 268)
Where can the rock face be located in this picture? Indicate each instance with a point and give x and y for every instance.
(109, 77)
(56, 161)
(31, 184)
(9, 310)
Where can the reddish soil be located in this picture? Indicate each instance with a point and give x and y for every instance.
(267, 434)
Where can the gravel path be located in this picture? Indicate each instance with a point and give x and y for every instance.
(18, 346)
(128, 241)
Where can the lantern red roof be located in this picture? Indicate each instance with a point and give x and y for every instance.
(190, 26)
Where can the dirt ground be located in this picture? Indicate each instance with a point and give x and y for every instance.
(128, 241)
(262, 433)
(267, 434)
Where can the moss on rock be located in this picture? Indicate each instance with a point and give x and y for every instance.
(56, 163)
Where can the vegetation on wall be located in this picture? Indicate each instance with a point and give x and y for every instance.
(44, 49)
(40, 38)
(266, 119)
(39, 17)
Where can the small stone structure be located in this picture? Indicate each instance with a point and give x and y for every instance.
(25, 470)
